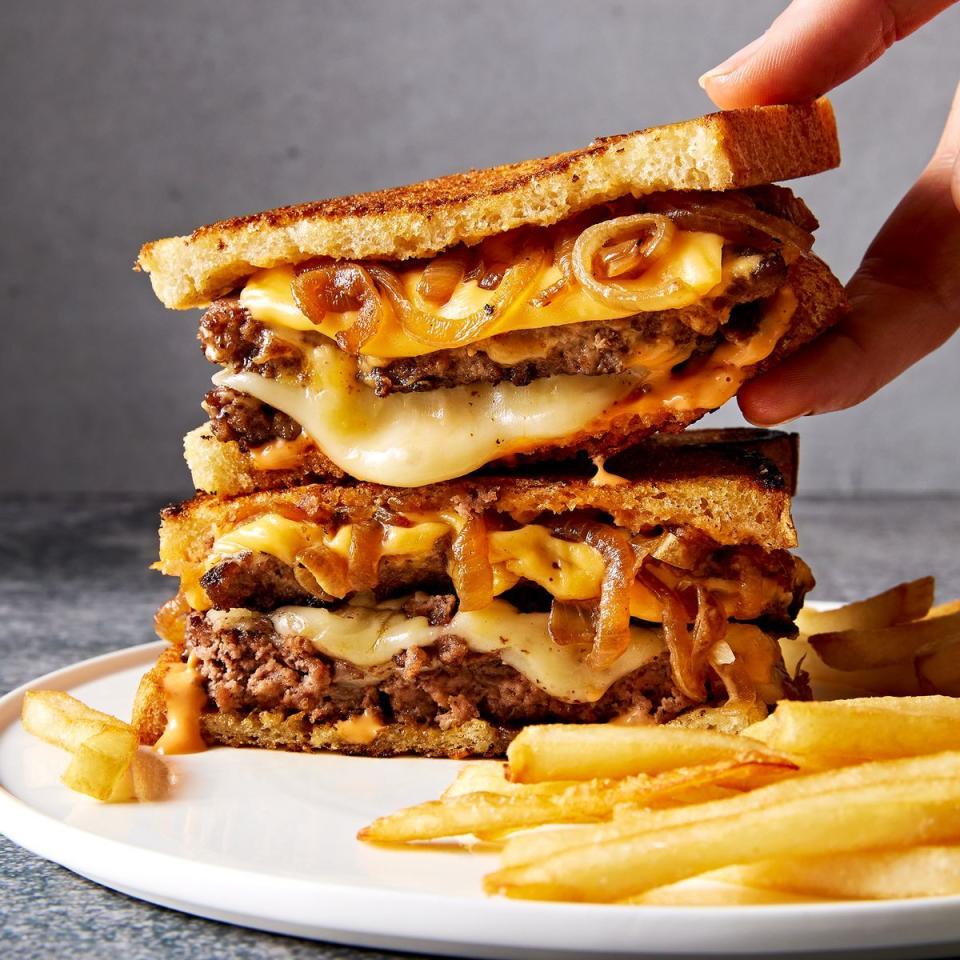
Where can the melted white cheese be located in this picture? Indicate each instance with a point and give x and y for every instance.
(412, 439)
(370, 636)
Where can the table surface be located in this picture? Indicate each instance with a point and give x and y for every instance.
(74, 582)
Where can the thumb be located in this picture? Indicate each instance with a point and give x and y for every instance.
(904, 303)
(813, 46)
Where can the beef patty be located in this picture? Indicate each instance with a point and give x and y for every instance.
(247, 665)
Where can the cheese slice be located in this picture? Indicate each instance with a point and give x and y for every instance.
(695, 258)
(412, 439)
(370, 636)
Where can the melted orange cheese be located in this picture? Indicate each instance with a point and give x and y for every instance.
(695, 258)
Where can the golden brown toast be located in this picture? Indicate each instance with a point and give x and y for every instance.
(735, 490)
(720, 151)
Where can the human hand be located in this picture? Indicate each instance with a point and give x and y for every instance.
(905, 297)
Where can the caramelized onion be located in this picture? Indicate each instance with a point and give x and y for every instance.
(572, 621)
(170, 621)
(563, 260)
(687, 674)
(441, 276)
(363, 558)
(588, 251)
(612, 634)
(734, 217)
(337, 288)
(446, 332)
(710, 627)
(321, 571)
(470, 568)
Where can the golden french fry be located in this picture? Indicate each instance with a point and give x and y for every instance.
(850, 731)
(489, 776)
(591, 800)
(63, 720)
(886, 646)
(939, 669)
(840, 821)
(591, 751)
(711, 891)
(864, 875)
(478, 776)
(899, 604)
(898, 680)
(942, 609)
(101, 763)
(527, 848)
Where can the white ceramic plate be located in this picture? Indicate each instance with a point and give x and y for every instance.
(266, 840)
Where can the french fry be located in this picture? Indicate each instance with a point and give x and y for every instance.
(527, 848)
(100, 764)
(939, 669)
(850, 731)
(899, 604)
(591, 751)
(489, 776)
(714, 893)
(885, 646)
(942, 609)
(486, 813)
(840, 821)
(63, 720)
(871, 874)
(898, 680)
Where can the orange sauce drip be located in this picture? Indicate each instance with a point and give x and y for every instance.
(360, 730)
(185, 699)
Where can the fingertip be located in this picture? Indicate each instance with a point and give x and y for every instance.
(763, 407)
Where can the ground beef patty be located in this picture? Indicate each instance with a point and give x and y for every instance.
(590, 348)
(247, 421)
(248, 666)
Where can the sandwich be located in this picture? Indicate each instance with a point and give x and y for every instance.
(485, 321)
(439, 620)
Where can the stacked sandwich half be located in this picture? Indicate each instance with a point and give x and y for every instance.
(442, 492)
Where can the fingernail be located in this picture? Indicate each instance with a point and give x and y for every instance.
(789, 420)
(732, 63)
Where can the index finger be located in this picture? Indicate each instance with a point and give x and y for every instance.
(813, 46)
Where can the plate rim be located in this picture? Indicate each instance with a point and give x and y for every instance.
(500, 928)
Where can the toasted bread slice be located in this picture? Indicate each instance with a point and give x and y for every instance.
(223, 468)
(734, 490)
(721, 151)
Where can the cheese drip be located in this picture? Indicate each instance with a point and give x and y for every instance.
(413, 439)
(695, 258)
(369, 637)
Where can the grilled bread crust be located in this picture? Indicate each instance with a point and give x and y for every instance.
(736, 492)
(222, 468)
(721, 151)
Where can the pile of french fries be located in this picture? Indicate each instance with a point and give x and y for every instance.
(853, 798)
(896, 643)
(106, 761)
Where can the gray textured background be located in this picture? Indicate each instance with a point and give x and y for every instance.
(125, 120)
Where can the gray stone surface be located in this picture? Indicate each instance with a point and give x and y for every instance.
(74, 583)
(124, 121)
